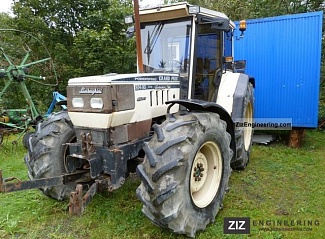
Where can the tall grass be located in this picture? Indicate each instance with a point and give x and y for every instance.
(280, 184)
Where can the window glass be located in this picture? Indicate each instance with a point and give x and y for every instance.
(166, 46)
(208, 61)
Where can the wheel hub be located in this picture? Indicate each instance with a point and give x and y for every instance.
(199, 173)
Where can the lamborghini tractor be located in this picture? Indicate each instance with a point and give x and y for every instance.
(173, 122)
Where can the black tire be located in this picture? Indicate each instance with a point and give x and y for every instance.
(47, 150)
(244, 135)
(171, 196)
(25, 139)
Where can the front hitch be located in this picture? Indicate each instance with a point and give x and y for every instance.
(7, 186)
(78, 201)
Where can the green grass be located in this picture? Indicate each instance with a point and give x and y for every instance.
(280, 183)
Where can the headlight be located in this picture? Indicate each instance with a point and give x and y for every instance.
(77, 102)
(96, 103)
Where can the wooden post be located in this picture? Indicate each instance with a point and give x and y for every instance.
(296, 137)
(138, 36)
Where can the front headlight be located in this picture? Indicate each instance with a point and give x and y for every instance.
(77, 102)
(96, 103)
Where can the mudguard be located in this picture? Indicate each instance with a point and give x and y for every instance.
(239, 96)
(205, 106)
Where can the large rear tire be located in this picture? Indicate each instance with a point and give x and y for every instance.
(244, 135)
(185, 173)
(47, 149)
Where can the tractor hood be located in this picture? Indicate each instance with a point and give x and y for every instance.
(125, 79)
(115, 99)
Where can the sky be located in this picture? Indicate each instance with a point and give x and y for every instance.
(150, 2)
(5, 4)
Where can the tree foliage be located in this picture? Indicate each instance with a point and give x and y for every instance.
(85, 37)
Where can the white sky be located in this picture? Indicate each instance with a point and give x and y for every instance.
(144, 3)
(5, 4)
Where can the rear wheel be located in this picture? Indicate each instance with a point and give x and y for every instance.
(185, 172)
(47, 150)
(244, 135)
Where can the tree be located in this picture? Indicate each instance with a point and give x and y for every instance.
(84, 37)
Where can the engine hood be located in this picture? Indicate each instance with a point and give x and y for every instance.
(124, 78)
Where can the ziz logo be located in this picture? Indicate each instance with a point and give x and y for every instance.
(236, 225)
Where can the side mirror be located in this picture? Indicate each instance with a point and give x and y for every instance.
(221, 24)
(240, 66)
(130, 32)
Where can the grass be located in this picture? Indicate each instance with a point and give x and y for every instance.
(280, 184)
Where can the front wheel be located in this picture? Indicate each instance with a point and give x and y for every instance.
(185, 172)
(25, 139)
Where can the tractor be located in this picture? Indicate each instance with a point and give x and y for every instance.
(172, 122)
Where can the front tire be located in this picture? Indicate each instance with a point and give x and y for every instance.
(25, 139)
(47, 149)
(185, 173)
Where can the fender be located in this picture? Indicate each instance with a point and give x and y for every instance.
(232, 91)
(226, 91)
(205, 106)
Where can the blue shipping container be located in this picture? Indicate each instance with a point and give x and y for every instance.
(284, 55)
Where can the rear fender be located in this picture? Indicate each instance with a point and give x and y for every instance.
(205, 106)
(231, 92)
(239, 97)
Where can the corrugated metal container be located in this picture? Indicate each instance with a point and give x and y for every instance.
(284, 55)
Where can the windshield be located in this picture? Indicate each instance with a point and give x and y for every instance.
(166, 46)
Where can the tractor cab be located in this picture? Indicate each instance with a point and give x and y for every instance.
(187, 40)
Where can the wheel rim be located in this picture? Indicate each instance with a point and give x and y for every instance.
(248, 130)
(206, 174)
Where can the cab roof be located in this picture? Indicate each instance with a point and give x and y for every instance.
(179, 10)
